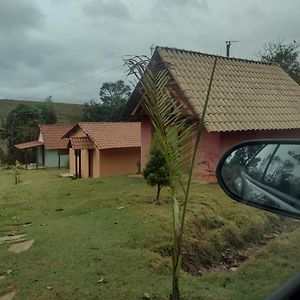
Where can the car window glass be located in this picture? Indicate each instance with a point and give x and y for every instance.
(258, 163)
(283, 173)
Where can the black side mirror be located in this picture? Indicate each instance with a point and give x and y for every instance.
(264, 174)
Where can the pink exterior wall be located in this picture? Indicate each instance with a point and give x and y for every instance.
(214, 144)
(96, 163)
(146, 134)
(119, 161)
(78, 133)
(207, 156)
(72, 161)
(84, 157)
(84, 163)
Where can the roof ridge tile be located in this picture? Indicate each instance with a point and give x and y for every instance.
(194, 52)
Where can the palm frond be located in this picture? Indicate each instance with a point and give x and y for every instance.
(171, 129)
(172, 136)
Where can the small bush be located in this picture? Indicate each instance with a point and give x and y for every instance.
(156, 171)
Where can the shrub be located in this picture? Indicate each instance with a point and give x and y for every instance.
(156, 171)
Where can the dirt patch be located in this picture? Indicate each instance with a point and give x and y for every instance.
(135, 176)
(66, 175)
(8, 238)
(26, 224)
(220, 253)
(20, 247)
(231, 258)
(8, 296)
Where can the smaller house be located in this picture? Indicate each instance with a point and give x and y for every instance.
(104, 148)
(52, 150)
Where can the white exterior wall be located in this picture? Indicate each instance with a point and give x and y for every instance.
(51, 159)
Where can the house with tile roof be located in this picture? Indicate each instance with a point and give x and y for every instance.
(104, 148)
(51, 149)
(248, 100)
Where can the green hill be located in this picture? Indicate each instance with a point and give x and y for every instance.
(66, 113)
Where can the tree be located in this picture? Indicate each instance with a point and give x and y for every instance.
(156, 171)
(21, 126)
(3, 153)
(48, 99)
(48, 114)
(93, 111)
(285, 55)
(112, 100)
(2, 129)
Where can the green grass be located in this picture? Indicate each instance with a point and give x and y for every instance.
(66, 113)
(92, 239)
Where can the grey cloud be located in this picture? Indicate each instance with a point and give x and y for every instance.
(179, 12)
(52, 42)
(106, 9)
(179, 4)
(254, 12)
(248, 15)
(16, 15)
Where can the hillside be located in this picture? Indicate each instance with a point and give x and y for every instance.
(66, 113)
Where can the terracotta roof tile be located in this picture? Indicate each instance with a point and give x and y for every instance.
(81, 143)
(107, 135)
(52, 135)
(245, 95)
(31, 144)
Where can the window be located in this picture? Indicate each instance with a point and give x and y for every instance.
(283, 172)
(258, 163)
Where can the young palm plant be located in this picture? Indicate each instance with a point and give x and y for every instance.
(172, 136)
(17, 168)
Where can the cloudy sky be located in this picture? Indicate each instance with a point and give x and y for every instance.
(68, 48)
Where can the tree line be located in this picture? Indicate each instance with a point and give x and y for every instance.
(22, 123)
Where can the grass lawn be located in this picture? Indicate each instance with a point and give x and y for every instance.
(109, 230)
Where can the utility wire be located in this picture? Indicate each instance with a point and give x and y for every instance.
(221, 47)
(113, 68)
(268, 39)
(73, 82)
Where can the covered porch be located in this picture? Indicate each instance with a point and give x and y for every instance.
(38, 146)
(83, 160)
(40, 154)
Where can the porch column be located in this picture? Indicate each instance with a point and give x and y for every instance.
(43, 155)
(76, 168)
(26, 159)
(37, 158)
(58, 153)
(79, 154)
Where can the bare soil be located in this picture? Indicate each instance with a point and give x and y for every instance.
(8, 296)
(20, 247)
(8, 238)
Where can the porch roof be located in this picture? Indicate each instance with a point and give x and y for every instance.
(81, 143)
(31, 144)
(106, 135)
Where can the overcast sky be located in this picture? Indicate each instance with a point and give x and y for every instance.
(46, 44)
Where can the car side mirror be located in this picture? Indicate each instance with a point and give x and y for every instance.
(264, 174)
